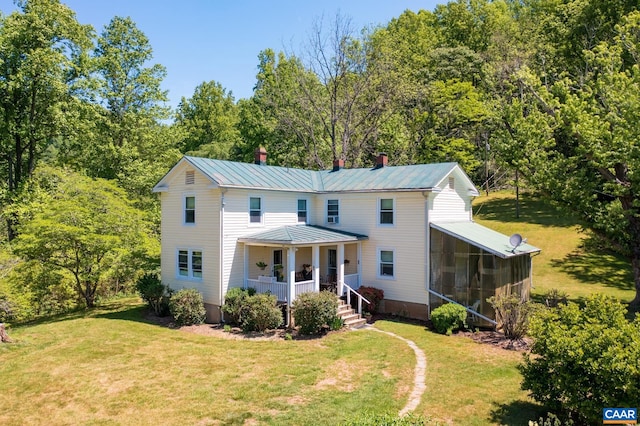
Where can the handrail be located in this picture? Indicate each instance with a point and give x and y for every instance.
(360, 297)
(468, 309)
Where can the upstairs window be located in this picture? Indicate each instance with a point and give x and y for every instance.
(190, 209)
(302, 211)
(452, 183)
(386, 213)
(333, 211)
(190, 264)
(255, 210)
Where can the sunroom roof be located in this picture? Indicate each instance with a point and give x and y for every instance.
(487, 239)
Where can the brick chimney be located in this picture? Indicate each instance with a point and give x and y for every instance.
(338, 164)
(261, 156)
(381, 160)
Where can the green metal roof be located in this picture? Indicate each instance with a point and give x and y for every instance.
(485, 238)
(301, 235)
(247, 175)
(419, 176)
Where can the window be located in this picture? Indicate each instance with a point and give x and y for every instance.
(387, 264)
(333, 210)
(255, 210)
(452, 183)
(302, 211)
(190, 209)
(386, 211)
(190, 264)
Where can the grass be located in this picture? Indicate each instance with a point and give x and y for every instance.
(564, 263)
(109, 366)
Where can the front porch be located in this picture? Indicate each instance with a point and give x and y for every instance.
(282, 291)
(296, 259)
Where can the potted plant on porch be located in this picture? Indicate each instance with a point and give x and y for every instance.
(261, 265)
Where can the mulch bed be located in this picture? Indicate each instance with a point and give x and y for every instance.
(488, 337)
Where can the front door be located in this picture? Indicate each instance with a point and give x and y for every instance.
(278, 265)
(332, 267)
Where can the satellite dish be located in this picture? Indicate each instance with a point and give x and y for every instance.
(515, 240)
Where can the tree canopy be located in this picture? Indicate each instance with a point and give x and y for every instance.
(540, 93)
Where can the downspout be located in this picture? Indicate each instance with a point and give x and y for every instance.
(427, 275)
(221, 253)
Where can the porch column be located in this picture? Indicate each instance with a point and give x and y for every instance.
(340, 262)
(291, 274)
(359, 264)
(315, 261)
(245, 272)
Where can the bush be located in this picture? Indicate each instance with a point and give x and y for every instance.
(555, 297)
(233, 302)
(373, 295)
(583, 359)
(512, 315)
(259, 313)
(371, 419)
(187, 307)
(313, 311)
(448, 318)
(154, 293)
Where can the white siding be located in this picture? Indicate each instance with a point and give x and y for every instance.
(203, 235)
(279, 209)
(359, 213)
(450, 205)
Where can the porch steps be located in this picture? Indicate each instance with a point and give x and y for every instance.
(349, 316)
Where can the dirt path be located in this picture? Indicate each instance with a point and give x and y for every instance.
(419, 385)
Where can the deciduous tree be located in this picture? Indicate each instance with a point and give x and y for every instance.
(83, 229)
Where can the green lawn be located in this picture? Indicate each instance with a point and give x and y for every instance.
(110, 366)
(563, 263)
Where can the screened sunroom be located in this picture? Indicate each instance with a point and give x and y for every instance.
(470, 263)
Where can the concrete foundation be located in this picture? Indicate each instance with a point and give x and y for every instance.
(405, 309)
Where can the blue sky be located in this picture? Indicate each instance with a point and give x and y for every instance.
(204, 40)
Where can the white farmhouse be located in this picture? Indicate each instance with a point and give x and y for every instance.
(407, 230)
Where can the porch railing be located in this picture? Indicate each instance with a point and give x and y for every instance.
(304, 287)
(350, 290)
(353, 281)
(265, 284)
(269, 285)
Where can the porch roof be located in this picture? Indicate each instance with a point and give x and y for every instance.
(487, 239)
(301, 235)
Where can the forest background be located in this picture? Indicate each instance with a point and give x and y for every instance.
(536, 94)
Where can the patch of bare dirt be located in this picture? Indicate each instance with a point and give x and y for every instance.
(497, 339)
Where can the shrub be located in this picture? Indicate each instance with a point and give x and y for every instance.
(259, 313)
(313, 311)
(584, 358)
(373, 295)
(448, 318)
(555, 297)
(551, 420)
(336, 323)
(233, 302)
(187, 307)
(371, 419)
(512, 315)
(154, 293)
